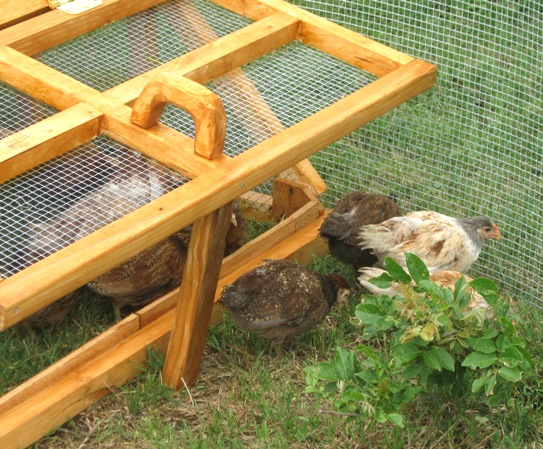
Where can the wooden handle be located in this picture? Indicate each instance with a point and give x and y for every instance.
(203, 105)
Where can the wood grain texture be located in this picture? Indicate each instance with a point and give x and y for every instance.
(205, 108)
(55, 27)
(47, 280)
(47, 139)
(195, 300)
(15, 11)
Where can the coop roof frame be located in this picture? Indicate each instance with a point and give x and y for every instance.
(214, 182)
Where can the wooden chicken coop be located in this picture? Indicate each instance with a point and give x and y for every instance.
(206, 101)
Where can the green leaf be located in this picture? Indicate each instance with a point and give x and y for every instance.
(432, 360)
(511, 357)
(396, 419)
(382, 281)
(396, 271)
(480, 382)
(511, 374)
(490, 384)
(483, 285)
(445, 358)
(485, 346)
(417, 268)
(479, 360)
(432, 288)
(325, 371)
(406, 352)
(345, 365)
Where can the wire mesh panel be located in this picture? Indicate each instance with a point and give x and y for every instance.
(69, 197)
(124, 49)
(471, 145)
(17, 110)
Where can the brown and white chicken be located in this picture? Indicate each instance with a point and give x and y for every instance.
(340, 228)
(442, 242)
(445, 278)
(280, 299)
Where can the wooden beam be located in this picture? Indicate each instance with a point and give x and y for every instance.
(15, 11)
(195, 299)
(345, 44)
(288, 197)
(216, 58)
(81, 386)
(86, 375)
(55, 27)
(236, 86)
(40, 284)
(47, 139)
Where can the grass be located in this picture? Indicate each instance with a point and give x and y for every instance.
(470, 145)
(248, 397)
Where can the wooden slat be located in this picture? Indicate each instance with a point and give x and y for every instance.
(55, 27)
(47, 280)
(216, 58)
(54, 373)
(47, 139)
(343, 43)
(239, 89)
(272, 239)
(195, 301)
(14, 11)
(81, 386)
(69, 386)
(161, 143)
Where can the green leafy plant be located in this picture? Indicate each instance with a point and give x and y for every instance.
(424, 339)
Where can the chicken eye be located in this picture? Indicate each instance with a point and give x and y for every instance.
(488, 229)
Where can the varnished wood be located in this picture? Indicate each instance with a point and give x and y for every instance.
(195, 300)
(288, 197)
(15, 11)
(70, 385)
(62, 272)
(205, 108)
(47, 139)
(55, 27)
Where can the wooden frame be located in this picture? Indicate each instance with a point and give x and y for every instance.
(89, 373)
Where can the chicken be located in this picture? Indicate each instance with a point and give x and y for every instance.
(145, 276)
(280, 299)
(153, 272)
(442, 242)
(445, 278)
(340, 228)
(53, 314)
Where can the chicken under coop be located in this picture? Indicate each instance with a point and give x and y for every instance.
(115, 144)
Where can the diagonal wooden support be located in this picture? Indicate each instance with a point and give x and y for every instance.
(195, 299)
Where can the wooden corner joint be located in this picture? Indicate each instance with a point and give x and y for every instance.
(204, 106)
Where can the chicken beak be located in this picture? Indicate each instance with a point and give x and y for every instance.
(495, 233)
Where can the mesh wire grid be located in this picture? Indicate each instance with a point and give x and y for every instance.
(471, 145)
(71, 196)
(49, 208)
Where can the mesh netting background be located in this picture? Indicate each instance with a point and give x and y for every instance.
(471, 145)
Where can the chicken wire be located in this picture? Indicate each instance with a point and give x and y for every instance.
(471, 145)
(42, 215)
(73, 195)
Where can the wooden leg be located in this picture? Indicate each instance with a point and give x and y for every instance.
(196, 295)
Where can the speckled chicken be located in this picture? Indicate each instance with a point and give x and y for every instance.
(53, 314)
(340, 228)
(442, 242)
(445, 278)
(280, 299)
(155, 271)
(145, 276)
